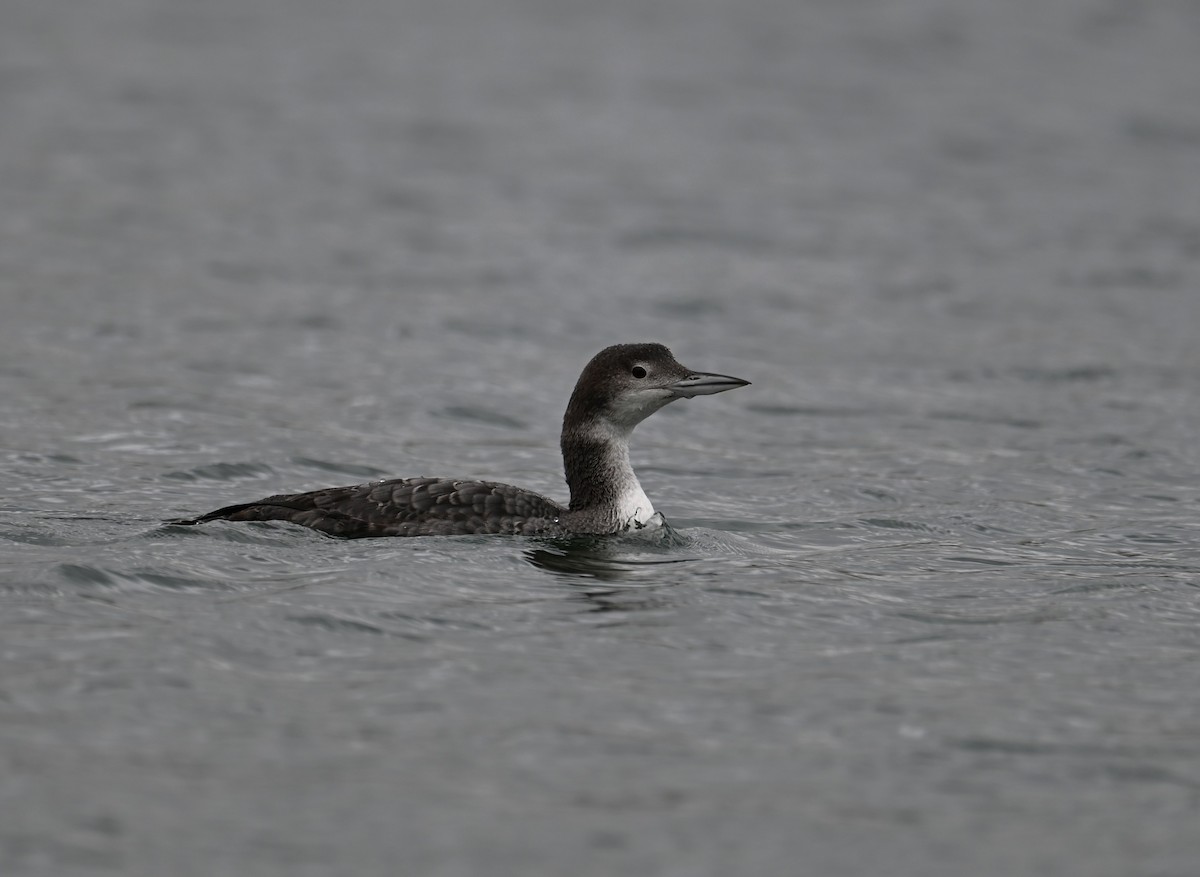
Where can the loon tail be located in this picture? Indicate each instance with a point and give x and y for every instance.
(219, 514)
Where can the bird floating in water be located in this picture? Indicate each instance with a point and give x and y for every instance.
(619, 388)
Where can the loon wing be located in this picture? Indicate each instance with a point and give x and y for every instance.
(405, 507)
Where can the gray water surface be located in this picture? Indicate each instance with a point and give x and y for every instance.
(932, 607)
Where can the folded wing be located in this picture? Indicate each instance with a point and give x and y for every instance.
(405, 507)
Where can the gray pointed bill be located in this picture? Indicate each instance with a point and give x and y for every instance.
(705, 384)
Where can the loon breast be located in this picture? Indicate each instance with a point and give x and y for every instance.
(635, 508)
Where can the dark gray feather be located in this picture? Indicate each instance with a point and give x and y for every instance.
(406, 507)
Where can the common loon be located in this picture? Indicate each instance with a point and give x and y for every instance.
(620, 387)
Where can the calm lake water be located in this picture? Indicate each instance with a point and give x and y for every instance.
(933, 603)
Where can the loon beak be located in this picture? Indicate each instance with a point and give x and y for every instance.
(705, 384)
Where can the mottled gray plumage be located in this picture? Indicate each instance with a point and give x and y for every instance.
(620, 387)
(407, 507)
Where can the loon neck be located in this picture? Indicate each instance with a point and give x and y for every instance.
(601, 479)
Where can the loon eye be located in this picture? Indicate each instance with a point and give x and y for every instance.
(638, 371)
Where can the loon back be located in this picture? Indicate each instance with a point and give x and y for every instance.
(405, 507)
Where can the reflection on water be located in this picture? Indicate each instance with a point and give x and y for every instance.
(611, 558)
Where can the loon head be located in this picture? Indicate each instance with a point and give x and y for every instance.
(626, 383)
